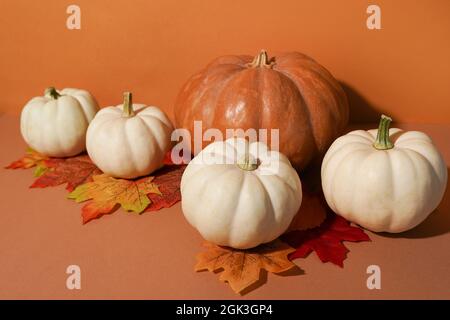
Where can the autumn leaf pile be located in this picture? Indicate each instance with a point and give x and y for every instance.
(101, 193)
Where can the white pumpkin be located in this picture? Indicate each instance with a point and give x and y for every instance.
(56, 124)
(237, 200)
(384, 180)
(129, 140)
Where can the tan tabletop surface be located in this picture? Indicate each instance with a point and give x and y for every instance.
(152, 256)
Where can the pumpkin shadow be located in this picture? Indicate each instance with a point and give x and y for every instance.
(438, 222)
(360, 109)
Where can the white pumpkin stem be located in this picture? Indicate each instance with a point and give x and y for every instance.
(261, 61)
(51, 93)
(248, 163)
(382, 141)
(128, 105)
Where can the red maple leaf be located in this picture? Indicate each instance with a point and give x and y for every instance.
(73, 171)
(168, 181)
(326, 240)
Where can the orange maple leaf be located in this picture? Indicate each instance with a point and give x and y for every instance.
(106, 193)
(29, 160)
(242, 268)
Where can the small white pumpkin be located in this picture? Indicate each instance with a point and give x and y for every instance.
(129, 140)
(384, 180)
(239, 194)
(56, 124)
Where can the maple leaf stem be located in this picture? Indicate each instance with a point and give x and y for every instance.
(128, 105)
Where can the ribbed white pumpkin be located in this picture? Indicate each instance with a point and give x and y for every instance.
(129, 140)
(234, 201)
(384, 180)
(56, 123)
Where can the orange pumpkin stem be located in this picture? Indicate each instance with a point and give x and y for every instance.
(128, 105)
(261, 61)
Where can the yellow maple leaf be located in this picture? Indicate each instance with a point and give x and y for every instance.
(106, 192)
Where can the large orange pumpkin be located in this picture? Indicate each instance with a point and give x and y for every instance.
(290, 92)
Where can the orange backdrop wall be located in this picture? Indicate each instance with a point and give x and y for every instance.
(151, 47)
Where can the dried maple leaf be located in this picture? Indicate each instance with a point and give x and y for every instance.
(73, 171)
(242, 268)
(29, 160)
(326, 240)
(106, 193)
(168, 181)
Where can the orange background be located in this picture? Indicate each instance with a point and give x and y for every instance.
(152, 47)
